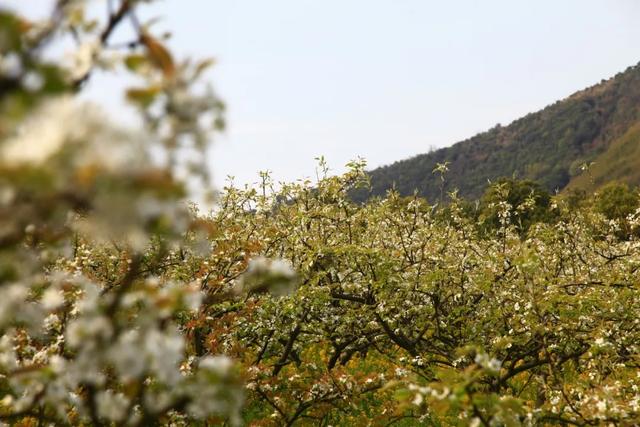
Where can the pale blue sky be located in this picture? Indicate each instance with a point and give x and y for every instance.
(385, 79)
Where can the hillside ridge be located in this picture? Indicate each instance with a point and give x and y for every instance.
(547, 146)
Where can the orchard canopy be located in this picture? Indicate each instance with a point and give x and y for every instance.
(123, 304)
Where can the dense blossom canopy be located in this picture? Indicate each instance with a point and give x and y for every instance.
(406, 313)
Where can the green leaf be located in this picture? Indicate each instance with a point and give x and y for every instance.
(143, 96)
(135, 62)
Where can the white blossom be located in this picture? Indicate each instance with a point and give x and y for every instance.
(52, 298)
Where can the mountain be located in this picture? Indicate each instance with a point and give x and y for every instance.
(600, 124)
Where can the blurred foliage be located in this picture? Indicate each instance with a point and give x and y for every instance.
(89, 333)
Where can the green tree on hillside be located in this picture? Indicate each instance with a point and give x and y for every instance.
(526, 203)
(617, 201)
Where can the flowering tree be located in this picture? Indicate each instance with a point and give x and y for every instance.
(92, 332)
(122, 305)
(406, 316)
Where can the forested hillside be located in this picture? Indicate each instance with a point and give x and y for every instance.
(548, 146)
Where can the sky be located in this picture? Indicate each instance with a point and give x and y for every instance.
(381, 79)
